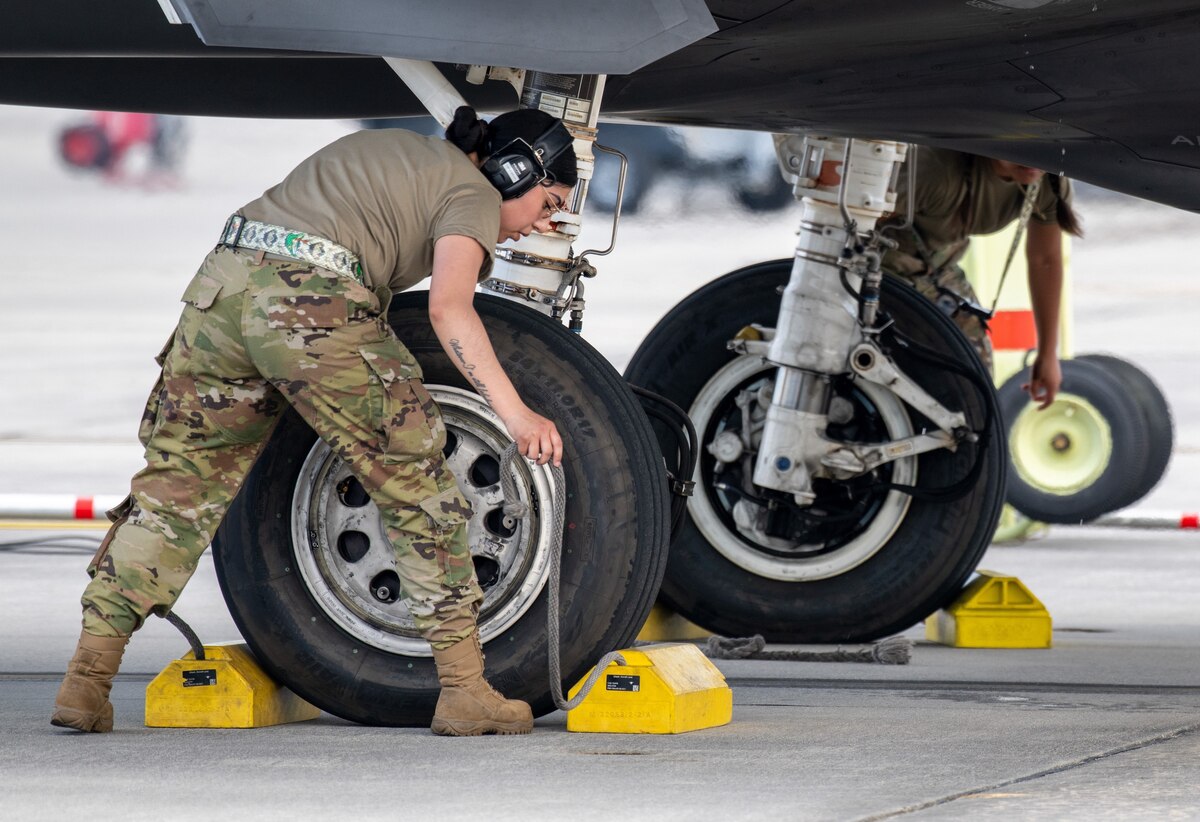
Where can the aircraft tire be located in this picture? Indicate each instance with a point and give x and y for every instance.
(854, 585)
(614, 551)
(1083, 456)
(1159, 422)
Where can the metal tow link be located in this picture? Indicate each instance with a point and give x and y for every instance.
(514, 510)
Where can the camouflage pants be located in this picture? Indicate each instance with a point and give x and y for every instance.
(254, 337)
(952, 279)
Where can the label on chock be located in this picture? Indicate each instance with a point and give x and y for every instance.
(622, 682)
(202, 676)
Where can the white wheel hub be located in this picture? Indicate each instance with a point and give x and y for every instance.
(738, 533)
(348, 563)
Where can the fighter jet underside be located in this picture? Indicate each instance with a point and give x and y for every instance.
(1103, 91)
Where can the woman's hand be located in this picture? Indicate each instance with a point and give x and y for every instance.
(537, 437)
(1045, 378)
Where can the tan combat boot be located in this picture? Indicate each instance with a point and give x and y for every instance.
(82, 701)
(468, 705)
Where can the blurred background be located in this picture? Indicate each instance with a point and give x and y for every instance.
(104, 218)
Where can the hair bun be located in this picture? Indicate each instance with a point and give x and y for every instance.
(467, 131)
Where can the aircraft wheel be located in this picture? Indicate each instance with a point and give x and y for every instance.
(307, 572)
(865, 561)
(1159, 424)
(1084, 455)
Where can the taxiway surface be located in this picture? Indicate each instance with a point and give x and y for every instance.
(1106, 725)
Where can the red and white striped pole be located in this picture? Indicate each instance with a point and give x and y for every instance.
(1158, 520)
(56, 507)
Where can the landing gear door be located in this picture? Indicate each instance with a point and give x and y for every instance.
(609, 37)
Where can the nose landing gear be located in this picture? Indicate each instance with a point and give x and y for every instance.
(867, 547)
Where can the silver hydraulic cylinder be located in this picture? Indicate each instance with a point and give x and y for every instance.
(844, 187)
(540, 270)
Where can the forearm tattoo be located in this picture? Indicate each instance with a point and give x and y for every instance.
(469, 368)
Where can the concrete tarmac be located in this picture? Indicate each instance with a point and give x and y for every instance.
(1106, 725)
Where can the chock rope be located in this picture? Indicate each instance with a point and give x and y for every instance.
(514, 509)
(896, 650)
(188, 633)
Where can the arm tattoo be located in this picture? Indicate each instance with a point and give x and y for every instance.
(469, 368)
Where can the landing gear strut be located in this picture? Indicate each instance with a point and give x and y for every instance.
(852, 472)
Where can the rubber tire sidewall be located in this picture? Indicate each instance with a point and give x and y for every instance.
(1100, 387)
(904, 581)
(614, 551)
(1156, 415)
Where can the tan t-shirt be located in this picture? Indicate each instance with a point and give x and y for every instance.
(958, 196)
(387, 195)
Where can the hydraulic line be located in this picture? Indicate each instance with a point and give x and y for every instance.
(963, 486)
(679, 425)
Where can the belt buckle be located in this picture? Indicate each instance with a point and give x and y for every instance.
(240, 222)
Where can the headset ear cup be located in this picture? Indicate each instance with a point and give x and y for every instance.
(513, 170)
(552, 143)
(517, 166)
(490, 169)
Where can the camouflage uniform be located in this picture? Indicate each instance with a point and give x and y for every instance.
(947, 288)
(257, 335)
(957, 196)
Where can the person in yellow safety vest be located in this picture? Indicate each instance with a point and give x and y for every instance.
(959, 195)
(290, 310)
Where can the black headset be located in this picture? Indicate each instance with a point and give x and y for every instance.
(516, 167)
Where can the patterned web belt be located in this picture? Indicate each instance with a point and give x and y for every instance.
(274, 239)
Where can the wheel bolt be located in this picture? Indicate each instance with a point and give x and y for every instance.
(382, 594)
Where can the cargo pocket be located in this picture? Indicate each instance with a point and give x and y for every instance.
(448, 510)
(202, 292)
(154, 402)
(402, 411)
(118, 517)
(199, 297)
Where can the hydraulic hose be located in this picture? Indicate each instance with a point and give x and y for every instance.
(964, 485)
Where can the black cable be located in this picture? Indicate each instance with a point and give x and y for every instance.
(681, 418)
(674, 466)
(846, 284)
(56, 545)
(963, 486)
(683, 432)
